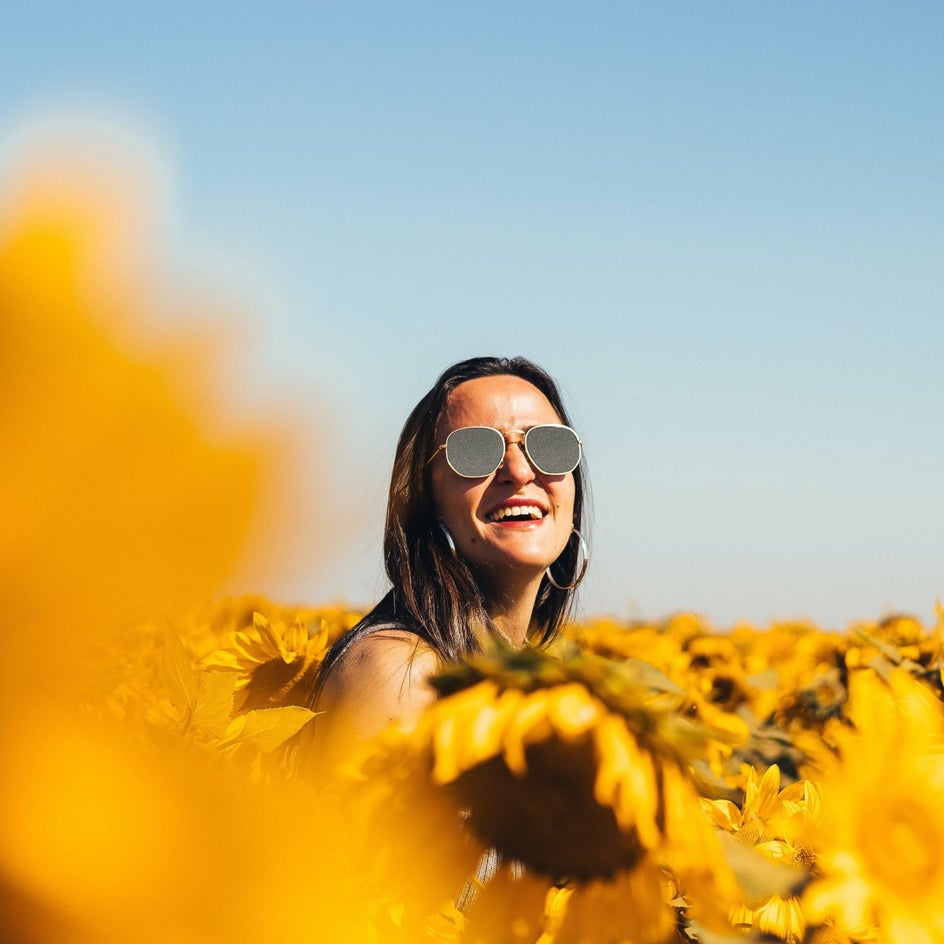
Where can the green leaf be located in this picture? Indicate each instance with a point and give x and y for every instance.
(767, 680)
(644, 673)
(694, 932)
(915, 668)
(178, 674)
(882, 666)
(267, 728)
(890, 652)
(213, 707)
(757, 875)
(222, 659)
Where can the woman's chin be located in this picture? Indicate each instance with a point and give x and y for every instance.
(517, 563)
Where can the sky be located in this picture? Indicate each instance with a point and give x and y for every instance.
(719, 225)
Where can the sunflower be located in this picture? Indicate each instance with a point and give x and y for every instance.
(884, 828)
(655, 645)
(277, 660)
(630, 909)
(571, 768)
(779, 825)
(565, 763)
(404, 843)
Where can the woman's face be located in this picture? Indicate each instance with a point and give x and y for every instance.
(472, 509)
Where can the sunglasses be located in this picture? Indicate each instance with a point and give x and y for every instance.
(476, 451)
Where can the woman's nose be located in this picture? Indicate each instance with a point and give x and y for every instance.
(516, 467)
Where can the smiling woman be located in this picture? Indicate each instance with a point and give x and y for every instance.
(482, 539)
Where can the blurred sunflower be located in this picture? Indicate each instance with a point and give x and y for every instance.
(569, 767)
(830, 934)
(630, 909)
(654, 645)
(564, 763)
(121, 496)
(883, 830)
(404, 841)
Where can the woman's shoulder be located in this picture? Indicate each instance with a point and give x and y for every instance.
(388, 649)
(381, 676)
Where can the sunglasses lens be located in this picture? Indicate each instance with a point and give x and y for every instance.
(554, 450)
(475, 451)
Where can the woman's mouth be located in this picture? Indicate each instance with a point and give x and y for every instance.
(516, 513)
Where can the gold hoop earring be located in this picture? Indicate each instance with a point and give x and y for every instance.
(449, 540)
(583, 569)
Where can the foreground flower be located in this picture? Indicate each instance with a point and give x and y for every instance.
(568, 766)
(120, 497)
(884, 825)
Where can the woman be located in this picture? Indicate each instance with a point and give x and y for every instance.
(482, 536)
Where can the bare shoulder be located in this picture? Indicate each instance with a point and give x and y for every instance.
(389, 656)
(383, 677)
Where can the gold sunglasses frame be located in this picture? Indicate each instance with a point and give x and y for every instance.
(524, 442)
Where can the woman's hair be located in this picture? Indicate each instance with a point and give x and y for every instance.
(434, 593)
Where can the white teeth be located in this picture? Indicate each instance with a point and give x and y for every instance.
(517, 511)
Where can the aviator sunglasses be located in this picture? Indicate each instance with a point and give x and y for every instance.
(477, 451)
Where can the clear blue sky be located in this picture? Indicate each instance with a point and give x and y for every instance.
(719, 225)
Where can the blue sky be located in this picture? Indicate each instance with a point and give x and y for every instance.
(719, 225)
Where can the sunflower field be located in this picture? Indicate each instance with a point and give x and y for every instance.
(643, 783)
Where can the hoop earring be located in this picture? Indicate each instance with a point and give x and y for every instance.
(449, 540)
(583, 569)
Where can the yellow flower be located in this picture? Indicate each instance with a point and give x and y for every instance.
(778, 824)
(405, 839)
(563, 763)
(120, 496)
(655, 645)
(630, 909)
(776, 915)
(565, 767)
(277, 661)
(884, 827)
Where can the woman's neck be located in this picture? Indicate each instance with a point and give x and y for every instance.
(512, 610)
